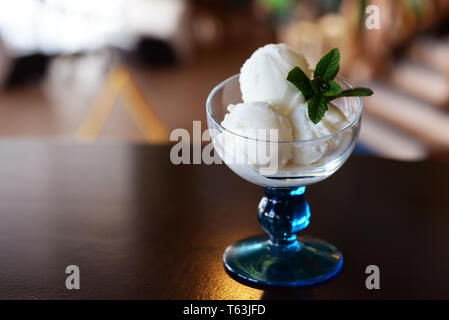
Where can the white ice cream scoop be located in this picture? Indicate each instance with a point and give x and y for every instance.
(251, 127)
(263, 77)
(304, 129)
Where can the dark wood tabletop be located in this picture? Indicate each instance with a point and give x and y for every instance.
(140, 227)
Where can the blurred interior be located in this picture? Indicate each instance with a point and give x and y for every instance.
(135, 70)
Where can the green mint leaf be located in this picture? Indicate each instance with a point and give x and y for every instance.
(328, 66)
(301, 81)
(316, 107)
(355, 92)
(316, 86)
(331, 89)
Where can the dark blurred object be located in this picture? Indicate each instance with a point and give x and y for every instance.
(5, 64)
(224, 22)
(440, 156)
(220, 5)
(27, 69)
(155, 52)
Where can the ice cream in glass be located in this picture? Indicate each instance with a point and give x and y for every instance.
(284, 129)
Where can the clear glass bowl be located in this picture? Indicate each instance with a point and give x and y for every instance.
(327, 155)
(282, 258)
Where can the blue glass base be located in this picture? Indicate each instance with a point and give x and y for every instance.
(304, 262)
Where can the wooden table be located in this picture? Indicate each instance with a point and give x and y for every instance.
(139, 227)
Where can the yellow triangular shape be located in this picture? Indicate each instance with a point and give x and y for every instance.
(119, 85)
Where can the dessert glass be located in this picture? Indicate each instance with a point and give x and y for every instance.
(282, 258)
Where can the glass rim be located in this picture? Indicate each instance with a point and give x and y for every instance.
(325, 137)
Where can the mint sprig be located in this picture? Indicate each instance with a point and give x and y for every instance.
(322, 89)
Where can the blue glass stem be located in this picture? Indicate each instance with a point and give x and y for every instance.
(283, 259)
(283, 212)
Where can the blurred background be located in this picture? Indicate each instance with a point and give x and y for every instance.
(134, 70)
